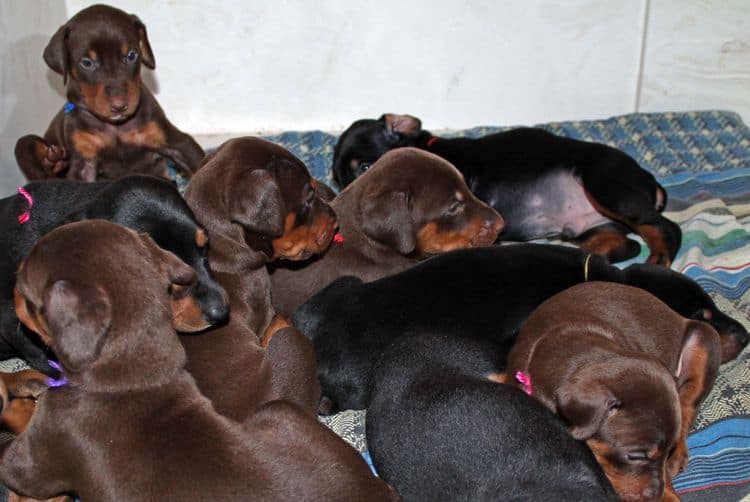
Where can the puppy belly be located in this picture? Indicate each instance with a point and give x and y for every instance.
(553, 206)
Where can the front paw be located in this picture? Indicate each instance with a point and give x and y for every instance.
(55, 159)
(678, 460)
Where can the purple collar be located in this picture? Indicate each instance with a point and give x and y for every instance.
(57, 382)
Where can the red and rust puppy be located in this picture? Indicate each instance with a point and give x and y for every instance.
(258, 203)
(626, 373)
(131, 424)
(410, 205)
(112, 125)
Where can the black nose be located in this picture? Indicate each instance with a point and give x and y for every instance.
(119, 108)
(217, 313)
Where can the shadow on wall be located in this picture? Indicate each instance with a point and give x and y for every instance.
(30, 93)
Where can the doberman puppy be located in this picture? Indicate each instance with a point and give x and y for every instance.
(626, 373)
(389, 219)
(543, 185)
(482, 293)
(112, 125)
(440, 429)
(130, 424)
(259, 204)
(143, 203)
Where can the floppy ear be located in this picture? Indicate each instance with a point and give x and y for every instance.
(402, 124)
(78, 318)
(256, 204)
(147, 56)
(585, 406)
(700, 356)
(56, 52)
(386, 218)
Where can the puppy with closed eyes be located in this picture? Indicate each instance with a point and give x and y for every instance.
(411, 204)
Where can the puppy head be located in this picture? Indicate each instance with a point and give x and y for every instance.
(263, 190)
(687, 297)
(628, 412)
(366, 140)
(417, 203)
(97, 293)
(99, 52)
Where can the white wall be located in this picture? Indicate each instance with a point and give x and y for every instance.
(233, 66)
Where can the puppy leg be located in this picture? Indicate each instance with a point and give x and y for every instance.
(182, 149)
(610, 241)
(39, 160)
(25, 383)
(293, 371)
(697, 369)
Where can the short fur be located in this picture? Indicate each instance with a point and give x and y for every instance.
(626, 373)
(143, 203)
(390, 219)
(259, 204)
(480, 293)
(116, 127)
(131, 424)
(542, 184)
(439, 430)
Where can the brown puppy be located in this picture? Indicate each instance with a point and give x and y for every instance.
(131, 423)
(410, 204)
(626, 372)
(112, 125)
(258, 203)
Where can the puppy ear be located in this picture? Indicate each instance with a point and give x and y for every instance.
(257, 204)
(56, 53)
(585, 406)
(386, 218)
(700, 356)
(147, 55)
(402, 124)
(78, 318)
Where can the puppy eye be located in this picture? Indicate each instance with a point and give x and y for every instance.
(456, 207)
(364, 166)
(87, 64)
(637, 456)
(131, 56)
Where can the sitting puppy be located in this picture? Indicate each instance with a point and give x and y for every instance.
(439, 428)
(130, 423)
(259, 204)
(479, 293)
(111, 125)
(626, 373)
(543, 185)
(143, 203)
(410, 205)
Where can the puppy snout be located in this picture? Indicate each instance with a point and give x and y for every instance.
(118, 106)
(215, 307)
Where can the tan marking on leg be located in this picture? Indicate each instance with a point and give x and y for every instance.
(277, 323)
(89, 144)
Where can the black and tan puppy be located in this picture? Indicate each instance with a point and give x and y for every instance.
(440, 429)
(410, 205)
(144, 203)
(480, 293)
(130, 424)
(543, 185)
(112, 125)
(626, 373)
(258, 203)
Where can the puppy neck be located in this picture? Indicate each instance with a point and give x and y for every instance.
(228, 253)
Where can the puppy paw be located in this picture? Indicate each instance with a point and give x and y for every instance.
(54, 158)
(678, 461)
(659, 259)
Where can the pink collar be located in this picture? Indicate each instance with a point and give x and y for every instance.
(525, 380)
(24, 217)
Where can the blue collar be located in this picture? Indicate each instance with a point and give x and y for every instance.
(69, 107)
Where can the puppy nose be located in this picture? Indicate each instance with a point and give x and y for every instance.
(217, 313)
(497, 224)
(118, 106)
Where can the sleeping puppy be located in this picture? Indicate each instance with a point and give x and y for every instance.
(130, 423)
(410, 205)
(482, 293)
(544, 185)
(626, 373)
(111, 125)
(439, 428)
(259, 204)
(143, 203)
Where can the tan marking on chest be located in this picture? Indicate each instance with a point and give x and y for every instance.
(89, 144)
(150, 135)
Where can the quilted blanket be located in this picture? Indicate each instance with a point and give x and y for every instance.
(703, 160)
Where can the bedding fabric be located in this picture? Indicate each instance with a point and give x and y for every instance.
(703, 160)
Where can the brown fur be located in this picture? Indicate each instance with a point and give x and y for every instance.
(390, 218)
(257, 202)
(606, 357)
(131, 424)
(117, 127)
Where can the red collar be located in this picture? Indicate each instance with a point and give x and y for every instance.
(431, 141)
